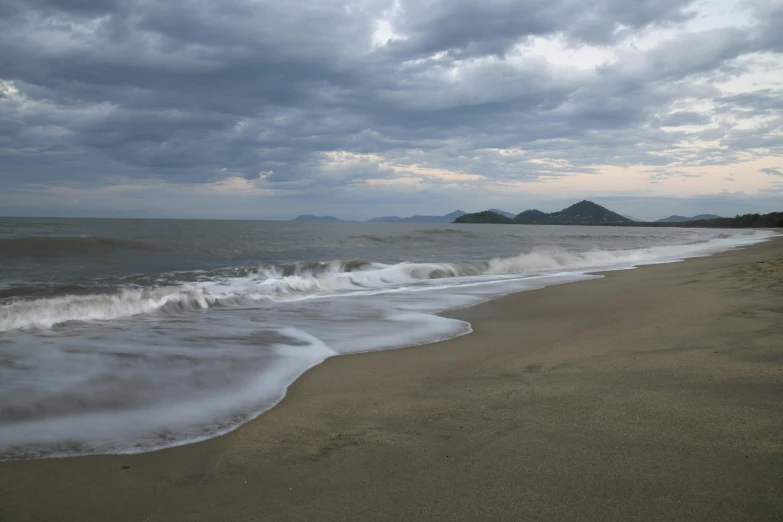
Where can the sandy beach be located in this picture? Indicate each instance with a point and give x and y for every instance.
(649, 394)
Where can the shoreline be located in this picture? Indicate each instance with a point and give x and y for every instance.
(508, 404)
(572, 267)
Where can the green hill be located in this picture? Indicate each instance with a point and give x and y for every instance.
(586, 213)
(487, 216)
(531, 216)
(582, 213)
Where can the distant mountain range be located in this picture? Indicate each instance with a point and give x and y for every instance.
(678, 219)
(502, 213)
(309, 217)
(770, 220)
(448, 218)
(631, 217)
(589, 213)
(582, 213)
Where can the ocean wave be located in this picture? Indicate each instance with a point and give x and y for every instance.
(48, 246)
(448, 232)
(242, 286)
(391, 240)
(418, 236)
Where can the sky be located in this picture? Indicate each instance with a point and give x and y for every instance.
(257, 109)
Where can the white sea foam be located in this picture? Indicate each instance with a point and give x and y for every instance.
(329, 278)
(165, 413)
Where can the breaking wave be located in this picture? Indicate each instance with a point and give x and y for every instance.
(242, 286)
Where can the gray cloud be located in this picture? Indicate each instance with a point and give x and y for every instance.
(677, 119)
(466, 28)
(198, 92)
(658, 175)
(772, 172)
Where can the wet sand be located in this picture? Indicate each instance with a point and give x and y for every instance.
(650, 394)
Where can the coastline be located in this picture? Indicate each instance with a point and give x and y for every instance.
(649, 393)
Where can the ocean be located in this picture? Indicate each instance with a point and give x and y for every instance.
(125, 336)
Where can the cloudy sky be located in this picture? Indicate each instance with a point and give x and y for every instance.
(268, 109)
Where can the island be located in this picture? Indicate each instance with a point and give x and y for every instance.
(309, 217)
(589, 213)
(582, 213)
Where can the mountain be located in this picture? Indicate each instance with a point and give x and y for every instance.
(385, 219)
(677, 219)
(309, 217)
(673, 219)
(586, 213)
(448, 218)
(487, 216)
(531, 216)
(502, 212)
(582, 213)
(771, 220)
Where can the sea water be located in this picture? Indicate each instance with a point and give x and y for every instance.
(125, 336)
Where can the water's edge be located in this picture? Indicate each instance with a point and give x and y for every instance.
(454, 314)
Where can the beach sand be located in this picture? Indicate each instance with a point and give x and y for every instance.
(650, 394)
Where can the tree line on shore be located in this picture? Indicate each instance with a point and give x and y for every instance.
(771, 220)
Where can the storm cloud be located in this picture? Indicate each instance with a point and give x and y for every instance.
(298, 105)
